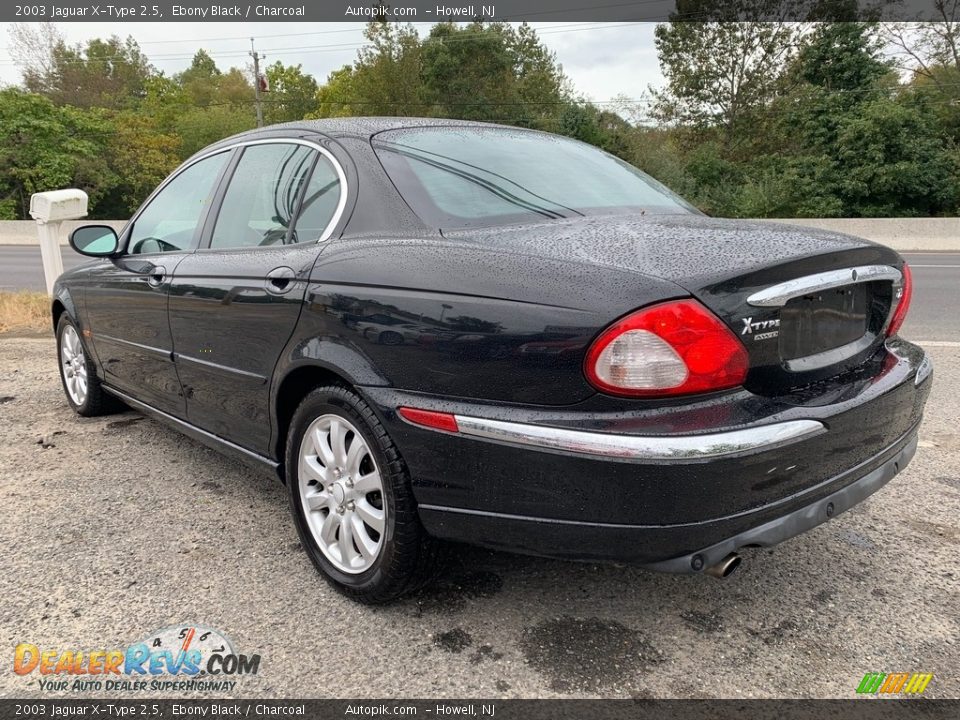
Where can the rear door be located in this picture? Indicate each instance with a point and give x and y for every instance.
(126, 298)
(234, 303)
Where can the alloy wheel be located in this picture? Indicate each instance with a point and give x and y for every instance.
(74, 365)
(341, 492)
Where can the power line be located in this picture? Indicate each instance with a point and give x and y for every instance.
(329, 47)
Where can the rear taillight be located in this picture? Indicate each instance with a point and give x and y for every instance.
(903, 303)
(673, 348)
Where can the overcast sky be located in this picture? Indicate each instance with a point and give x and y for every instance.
(603, 60)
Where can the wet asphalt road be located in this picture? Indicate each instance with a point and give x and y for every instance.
(117, 526)
(935, 313)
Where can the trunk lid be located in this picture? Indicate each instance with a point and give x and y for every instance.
(806, 303)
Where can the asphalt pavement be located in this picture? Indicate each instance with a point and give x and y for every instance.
(115, 527)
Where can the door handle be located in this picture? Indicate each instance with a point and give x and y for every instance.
(156, 275)
(280, 280)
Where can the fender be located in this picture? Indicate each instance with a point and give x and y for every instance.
(325, 354)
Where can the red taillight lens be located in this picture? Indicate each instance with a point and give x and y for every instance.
(673, 348)
(903, 304)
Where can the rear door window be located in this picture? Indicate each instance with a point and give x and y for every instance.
(261, 200)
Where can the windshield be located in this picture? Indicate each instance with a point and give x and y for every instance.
(456, 177)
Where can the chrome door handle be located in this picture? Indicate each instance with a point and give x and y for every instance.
(156, 276)
(280, 280)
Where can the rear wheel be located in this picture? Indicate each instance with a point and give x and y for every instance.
(351, 499)
(78, 373)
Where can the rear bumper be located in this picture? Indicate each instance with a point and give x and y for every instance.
(798, 521)
(658, 486)
(647, 544)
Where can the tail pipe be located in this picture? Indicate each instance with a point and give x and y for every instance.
(725, 567)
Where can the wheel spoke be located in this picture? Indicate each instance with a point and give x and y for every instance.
(338, 443)
(367, 545)
(358, 451)
(347, 551)
(317, 500)
(311, 467)
(322, 445)
(370, 515)
(328, 531)
(367, 483)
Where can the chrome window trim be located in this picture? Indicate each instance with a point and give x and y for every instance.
(780, 294)
(328, 230)
(675, 448)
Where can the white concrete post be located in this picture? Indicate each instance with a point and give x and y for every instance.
(50, 209)
(49, 233)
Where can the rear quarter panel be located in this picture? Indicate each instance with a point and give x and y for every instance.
(437, 317)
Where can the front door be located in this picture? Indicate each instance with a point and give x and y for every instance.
(234, 303)
(126, 298)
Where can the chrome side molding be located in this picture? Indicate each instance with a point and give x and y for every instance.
(923, 372)
(676, 448)
(780, 294)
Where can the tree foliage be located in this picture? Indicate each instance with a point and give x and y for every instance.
(775, 119)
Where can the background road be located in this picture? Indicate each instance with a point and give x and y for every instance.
(935, 314)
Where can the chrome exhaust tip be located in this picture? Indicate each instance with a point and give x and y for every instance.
(725, 567)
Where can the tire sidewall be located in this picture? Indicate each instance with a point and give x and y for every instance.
(327, 401)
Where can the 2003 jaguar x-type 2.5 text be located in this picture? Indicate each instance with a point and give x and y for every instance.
(443, 330)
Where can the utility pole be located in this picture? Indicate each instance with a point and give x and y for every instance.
(256, 81)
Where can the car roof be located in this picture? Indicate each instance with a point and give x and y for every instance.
(358, 126)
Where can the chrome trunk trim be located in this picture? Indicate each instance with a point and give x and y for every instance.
(780, 294)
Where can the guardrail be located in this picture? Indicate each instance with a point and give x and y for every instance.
(902, 234)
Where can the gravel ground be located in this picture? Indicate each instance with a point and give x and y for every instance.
(116, 526)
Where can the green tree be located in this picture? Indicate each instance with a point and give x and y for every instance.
(384, 79)
(721, 74)
(492, 72)
(46, 147)
(141, 156)
(100, 73)
(292, 96)
(479, 71)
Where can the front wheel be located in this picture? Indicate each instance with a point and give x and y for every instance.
(351, 499)
(78, 373)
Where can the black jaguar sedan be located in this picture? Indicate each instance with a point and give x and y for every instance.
(434, 329)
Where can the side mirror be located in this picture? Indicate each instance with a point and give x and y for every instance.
(95, 240)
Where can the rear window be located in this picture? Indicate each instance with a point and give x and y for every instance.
(455, 177)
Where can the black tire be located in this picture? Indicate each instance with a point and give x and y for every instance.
(408, 557)
(97, 401)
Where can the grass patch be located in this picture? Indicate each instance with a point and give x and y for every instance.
(24, 311)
